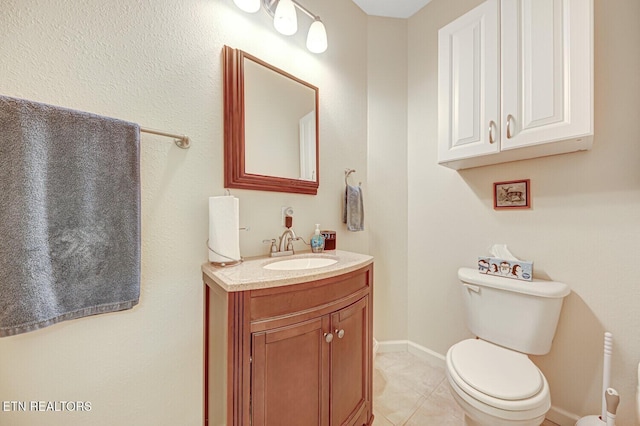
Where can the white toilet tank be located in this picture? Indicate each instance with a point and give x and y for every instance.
(519, 315)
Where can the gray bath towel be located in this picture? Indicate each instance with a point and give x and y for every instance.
(353, 208)
(69, 215)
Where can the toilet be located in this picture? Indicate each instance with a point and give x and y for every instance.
(491, 377)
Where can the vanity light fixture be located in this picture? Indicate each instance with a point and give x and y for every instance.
(317, 37)
(285, 20)
(249, 6)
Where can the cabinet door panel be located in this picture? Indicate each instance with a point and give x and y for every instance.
(546, 96)
(290, 375)
(350, 363)
(468, 85)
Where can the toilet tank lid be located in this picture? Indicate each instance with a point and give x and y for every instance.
(537, 287)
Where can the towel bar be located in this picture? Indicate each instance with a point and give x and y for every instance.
(181, 140)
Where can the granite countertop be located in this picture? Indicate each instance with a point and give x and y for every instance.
(250, 274)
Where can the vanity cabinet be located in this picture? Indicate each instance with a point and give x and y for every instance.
(515, 81)
(313, 371)
(291, 354)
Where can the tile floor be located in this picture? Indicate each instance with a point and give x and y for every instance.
(408, 391)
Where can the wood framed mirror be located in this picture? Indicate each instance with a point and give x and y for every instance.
(270, 127)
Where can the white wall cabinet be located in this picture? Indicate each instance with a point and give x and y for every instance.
(515, 81)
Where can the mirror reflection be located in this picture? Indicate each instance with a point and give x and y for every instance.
(271, 135)
(279, 124)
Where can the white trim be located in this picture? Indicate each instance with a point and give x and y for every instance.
(562, 417)
(555, 414)
(392, 346)
(433, 358)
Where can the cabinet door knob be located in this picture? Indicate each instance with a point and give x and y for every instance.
(340, 333)
(492, 125)
(509, 119)
(328, 337)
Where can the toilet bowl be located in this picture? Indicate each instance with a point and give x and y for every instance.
(496, 386)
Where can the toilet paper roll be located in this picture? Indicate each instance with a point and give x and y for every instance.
(224, 224)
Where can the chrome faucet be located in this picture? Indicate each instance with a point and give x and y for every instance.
(286, 242)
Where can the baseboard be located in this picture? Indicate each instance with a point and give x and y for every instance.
(562, 417)
(392, 346)
(432, 357)
(557, 415)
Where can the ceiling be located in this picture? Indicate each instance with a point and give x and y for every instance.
(391, 8)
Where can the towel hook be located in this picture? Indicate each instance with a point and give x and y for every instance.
(347, 172)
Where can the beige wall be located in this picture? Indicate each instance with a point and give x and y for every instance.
(387, 179)
(159, 64)
(583, 228)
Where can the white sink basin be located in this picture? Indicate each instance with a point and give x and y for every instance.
(300, 263)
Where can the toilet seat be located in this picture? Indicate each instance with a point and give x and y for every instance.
(496, 371)
(497, 381)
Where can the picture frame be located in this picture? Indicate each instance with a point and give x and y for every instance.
(513, 194)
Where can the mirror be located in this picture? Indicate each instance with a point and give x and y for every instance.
(270, 127)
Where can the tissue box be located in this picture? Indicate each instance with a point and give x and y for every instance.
(516, 269)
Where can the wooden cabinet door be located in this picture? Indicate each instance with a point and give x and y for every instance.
(469, 85)
(547, 60)
(350, 364)
(290, 375)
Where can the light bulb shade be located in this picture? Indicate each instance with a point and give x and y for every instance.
(250, 6)
(317, 37)
(285, 20)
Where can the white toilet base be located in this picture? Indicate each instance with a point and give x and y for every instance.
(468, 421)
(475, 417)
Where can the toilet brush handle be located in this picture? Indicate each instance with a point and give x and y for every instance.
(606, 370)
(613, 399)
(638, 395)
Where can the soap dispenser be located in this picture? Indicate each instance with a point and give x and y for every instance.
(317, 241)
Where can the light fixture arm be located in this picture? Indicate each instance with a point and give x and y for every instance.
(305, 10)
(270, 7)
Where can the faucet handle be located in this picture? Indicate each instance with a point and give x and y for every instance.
(272, 241)
(290, 242)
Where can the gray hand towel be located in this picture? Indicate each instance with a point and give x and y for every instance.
(353, 208)
(69, 215)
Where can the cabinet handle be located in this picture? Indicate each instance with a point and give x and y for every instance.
(509, 118)
(328, 337)
(492, 125)
(340, 333)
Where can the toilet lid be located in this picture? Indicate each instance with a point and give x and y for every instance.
(496, 371)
